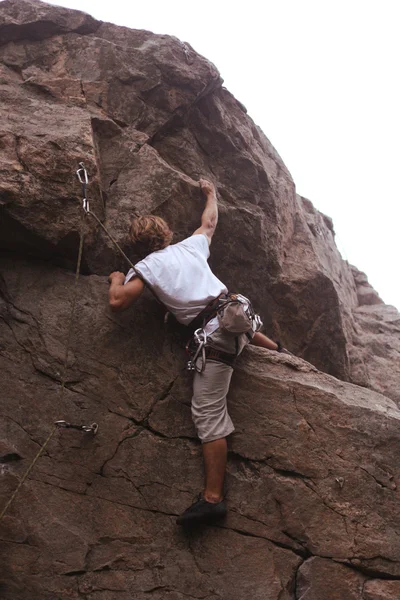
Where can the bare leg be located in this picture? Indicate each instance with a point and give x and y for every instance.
(214, 454)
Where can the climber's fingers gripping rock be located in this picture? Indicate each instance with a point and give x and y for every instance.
(206, 187)
(116, 277)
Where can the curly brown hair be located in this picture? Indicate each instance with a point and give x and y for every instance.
(148, 234)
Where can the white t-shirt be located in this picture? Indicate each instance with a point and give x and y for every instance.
(181, 277)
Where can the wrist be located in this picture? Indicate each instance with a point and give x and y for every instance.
(117, 281)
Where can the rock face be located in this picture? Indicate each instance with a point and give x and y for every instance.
(313, 471)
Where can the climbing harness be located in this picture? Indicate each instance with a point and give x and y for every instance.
(206, 314)
(236, 316)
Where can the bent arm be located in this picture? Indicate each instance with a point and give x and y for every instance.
(209, 218)
(123, 296)
(262, 341)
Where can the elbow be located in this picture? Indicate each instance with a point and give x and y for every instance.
(116, 305)
(209, 226)
(210, 222)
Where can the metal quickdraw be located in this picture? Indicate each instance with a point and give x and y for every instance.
(200, 340)
(83, 178)
(93, 428)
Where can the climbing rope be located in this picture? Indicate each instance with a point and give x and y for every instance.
(84, 180)
(38, 455)
(86, 428)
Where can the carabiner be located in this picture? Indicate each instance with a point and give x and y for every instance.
(83, 179)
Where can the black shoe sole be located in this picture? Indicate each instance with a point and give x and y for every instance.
(200, 520)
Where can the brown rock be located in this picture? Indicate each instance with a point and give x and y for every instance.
(375, 355)
(313, 465)
(366, 294)
(381, 590)
(28, 19)
(319, 579)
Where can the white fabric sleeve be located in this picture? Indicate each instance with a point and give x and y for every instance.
(199, 241)
(130, 275)
(142, 270)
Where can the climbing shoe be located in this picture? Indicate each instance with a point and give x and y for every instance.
(202, 512)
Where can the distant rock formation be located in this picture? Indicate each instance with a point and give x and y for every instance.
(313, 473)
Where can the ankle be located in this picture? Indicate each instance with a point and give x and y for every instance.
(212, 497)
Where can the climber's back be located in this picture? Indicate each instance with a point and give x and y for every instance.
(180, 277)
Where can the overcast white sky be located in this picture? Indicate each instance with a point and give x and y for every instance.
(321, 78)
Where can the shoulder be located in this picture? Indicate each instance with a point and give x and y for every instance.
(142, 269)
(198, 242)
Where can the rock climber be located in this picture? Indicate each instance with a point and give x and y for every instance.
(179, 275)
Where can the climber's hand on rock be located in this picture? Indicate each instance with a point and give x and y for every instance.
(117, 277)
(207, 187)
(281, 349)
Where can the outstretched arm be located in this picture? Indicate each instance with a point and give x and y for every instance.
(123, 296)
(261, 340)
(209, 218)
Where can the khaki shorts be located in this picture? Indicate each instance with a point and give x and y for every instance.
(210, 389)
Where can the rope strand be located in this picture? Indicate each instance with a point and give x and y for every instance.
(130, 263)
(38, 455)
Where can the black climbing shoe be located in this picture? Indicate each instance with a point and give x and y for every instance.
(202, 512)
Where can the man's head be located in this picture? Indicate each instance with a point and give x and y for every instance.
(148, 234)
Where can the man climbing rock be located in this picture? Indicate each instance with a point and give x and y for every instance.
(181, 278)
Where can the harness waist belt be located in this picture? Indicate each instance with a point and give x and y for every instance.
(206, 314)
(225, 357)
